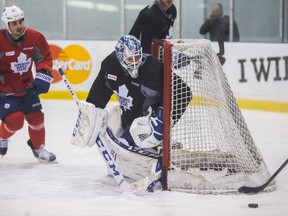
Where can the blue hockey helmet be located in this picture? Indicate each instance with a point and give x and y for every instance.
(129, 53)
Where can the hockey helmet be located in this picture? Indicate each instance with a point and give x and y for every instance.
(129, 53)
(11, 14)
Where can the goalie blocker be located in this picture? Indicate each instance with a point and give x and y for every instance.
(90, 122)
(133, 162)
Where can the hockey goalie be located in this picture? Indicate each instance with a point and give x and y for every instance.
(129, 136)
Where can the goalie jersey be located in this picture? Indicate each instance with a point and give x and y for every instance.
(134, 95)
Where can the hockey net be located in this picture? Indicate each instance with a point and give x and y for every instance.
(210, 149)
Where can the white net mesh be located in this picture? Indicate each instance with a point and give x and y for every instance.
(211, 148)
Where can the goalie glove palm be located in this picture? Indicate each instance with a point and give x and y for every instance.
(147, 132)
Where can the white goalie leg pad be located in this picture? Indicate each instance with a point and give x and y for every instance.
(125, 186)
(134, 163)
(90, 122)
(114, 120)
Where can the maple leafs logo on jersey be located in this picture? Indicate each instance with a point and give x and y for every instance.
(22, 65)
(123, 98)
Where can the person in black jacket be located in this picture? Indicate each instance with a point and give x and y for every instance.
(154, 21)
(218, 25)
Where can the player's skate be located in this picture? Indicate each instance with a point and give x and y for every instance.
(42, 154)
(3, 146)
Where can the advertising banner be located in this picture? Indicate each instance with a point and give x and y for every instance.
(257, 72)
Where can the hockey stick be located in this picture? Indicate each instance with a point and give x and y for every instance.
(133, 187)
(27, 88)
(246, 189)
(60, 70)
(221, 47)
(221, 51)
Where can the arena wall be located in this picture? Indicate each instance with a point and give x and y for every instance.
(257, 72)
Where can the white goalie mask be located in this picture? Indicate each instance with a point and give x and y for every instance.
(11, 14)
(129, 53)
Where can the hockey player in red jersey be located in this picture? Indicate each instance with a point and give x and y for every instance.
(21, 48)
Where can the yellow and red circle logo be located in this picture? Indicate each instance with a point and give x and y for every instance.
(74, 60)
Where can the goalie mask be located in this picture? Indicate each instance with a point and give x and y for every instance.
(129, 53)
(12, 14)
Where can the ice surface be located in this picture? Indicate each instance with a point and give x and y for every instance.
(78, 184)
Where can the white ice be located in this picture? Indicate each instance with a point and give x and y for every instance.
(79, 186)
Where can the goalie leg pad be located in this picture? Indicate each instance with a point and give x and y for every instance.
(133, 162)
(90, 122)
(114, 120)
(101, 143)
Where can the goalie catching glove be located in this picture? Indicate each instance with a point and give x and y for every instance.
(147, 131)
(90, 122)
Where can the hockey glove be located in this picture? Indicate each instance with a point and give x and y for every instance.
(156, 124)
(90, 122)
(42, 81)
(147, 132)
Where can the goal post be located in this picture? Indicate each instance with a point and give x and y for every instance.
(209, 150)
(159, 47)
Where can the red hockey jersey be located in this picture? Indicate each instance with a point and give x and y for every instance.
(17, 58)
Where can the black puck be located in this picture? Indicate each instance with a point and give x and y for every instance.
(253, 205)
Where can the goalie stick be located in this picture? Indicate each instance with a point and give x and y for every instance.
(60, 70)
(247, 190)
(125, 186)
